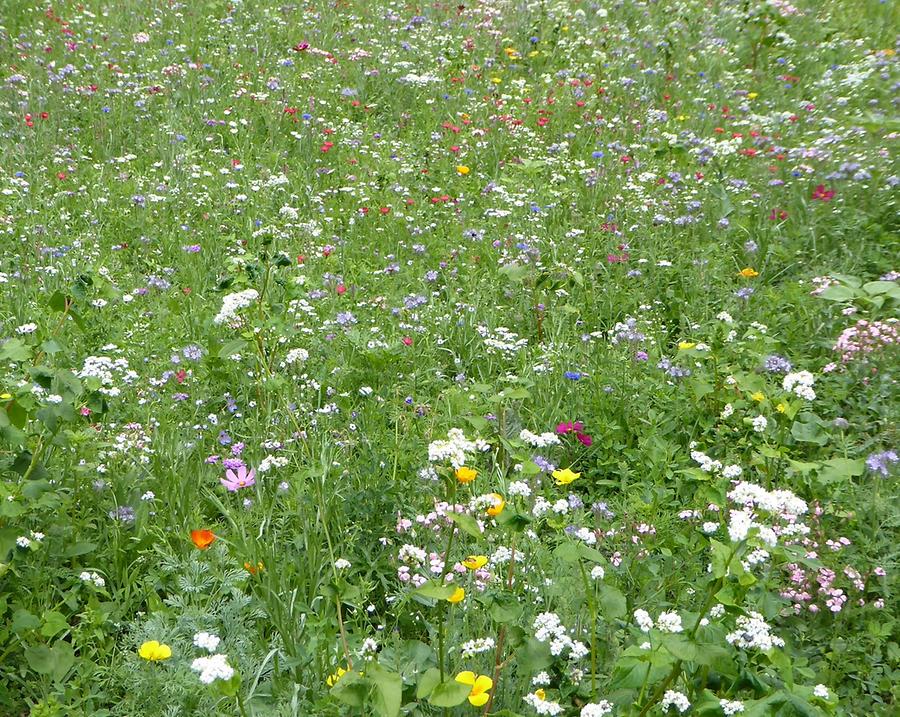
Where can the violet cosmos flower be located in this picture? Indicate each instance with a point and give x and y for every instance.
(242, 478)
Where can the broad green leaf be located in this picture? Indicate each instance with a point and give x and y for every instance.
(449, 693)
(435, 590)
(427, 683)
(467, 524)
(54, 623)
(613, 604)
(388, 693)
(15, 350)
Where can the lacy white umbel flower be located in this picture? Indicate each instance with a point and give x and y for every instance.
(596, 709)
(800, 384)
(669, 622)
(232, 303)
(206, 641)
(455, 449)
(643, 620)
(752, 632)
(674, 699)
(212, 668)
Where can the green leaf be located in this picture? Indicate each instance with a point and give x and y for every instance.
(467, 524)
(428, 682)
(15, 350)
(840, 469)
(881, 287)
(351, 689)
(449, 693)
(567, 552)
(534, 656)
(435, 590)
(613, 603)
(720, 558)
(838, 292)
(681, 647)
(54, 623)
(53, 661)
(808, 429)
(232, 347)
(23, 620)
(79, 549)
(388, 690)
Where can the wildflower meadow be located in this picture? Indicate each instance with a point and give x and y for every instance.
(369, 358)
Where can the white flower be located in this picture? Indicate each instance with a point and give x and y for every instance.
(539, 441)
(148, 496)
(709, 527)
(476, 647)
(369, 647)
(341, 563)
(541, 679)
(26, 329)
(206, 641)
(753, 632)
(520, 488)
(731, 708)
(596, 709)
(821, 691)
(669, 622)
(598, 573)
(739, 525)
(212, 668)
(543, 707)
(22, 541)
(760, 423)
(800, 383)
(643, 620)
(232, 303)
(676, 700)
(93, 578)
(454, 449)
(732, 471)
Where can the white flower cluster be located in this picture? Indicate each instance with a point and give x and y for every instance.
(542, 706)
(477, 646)
(674, 699)
(293, 356)
(539, 441)
(92, 578)
(782, 505)
(104, 368)
(455, 449)
(232, 303)
(548, 628)
(520, 488)
(596, 709)
(708, 465)
(212, 668)
(206, 641)
(270, 462)
(643, 620)
(669, 622)
(752, 631)
(501, 340)
(800, 383)
(732, 707)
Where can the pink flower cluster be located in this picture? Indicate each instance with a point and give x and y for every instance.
(857, 342)
(576, 427)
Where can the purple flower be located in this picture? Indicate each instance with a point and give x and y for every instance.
(880, 462)
(243, 478)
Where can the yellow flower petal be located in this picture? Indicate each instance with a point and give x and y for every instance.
(479, 700)
(565, 476)
(466, 678)
(457, 596)
(482, 684)
(474, 562)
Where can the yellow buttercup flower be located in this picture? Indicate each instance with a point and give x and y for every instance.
(465, 475)
(332, 679)
(781, 408)
(748, 272)
(758, 396)
(685, 345)
(540, 694)
(752, 95)
(5, 396)
(155, 651)
(480, 684)
(498, 506)
(457, 596)
(462, 170)
(475, 562)
(565, 476)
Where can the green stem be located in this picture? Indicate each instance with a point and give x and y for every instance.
(592, 608)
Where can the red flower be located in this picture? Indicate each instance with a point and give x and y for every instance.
(407, 341)
(822, 194)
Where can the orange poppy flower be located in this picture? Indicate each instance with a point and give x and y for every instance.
(202, 538)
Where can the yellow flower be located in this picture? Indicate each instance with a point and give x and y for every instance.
(681, 118)
(565, 476)
(758, 396)
(465, 475)
(475, 562)
(748, 272)
(496, 80)
(534, 53)
(781, 408)
(331, 679)
(540, 694)
(155, 651)
(512, 53)
(480, 685)
(5, 396)
(462, 170)
(685, 345)
(457, 596)
(498, 506)
(752, 95)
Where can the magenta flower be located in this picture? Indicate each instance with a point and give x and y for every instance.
(241, 479)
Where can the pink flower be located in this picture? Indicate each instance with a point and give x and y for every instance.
(241, 479)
